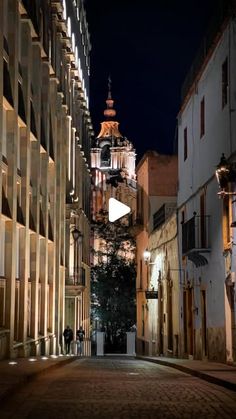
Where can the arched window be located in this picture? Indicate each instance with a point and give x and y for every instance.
(106, 156)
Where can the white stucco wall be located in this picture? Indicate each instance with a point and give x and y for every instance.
(204, 153)
(197, 175)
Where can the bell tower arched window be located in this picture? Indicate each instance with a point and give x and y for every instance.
(106, 156)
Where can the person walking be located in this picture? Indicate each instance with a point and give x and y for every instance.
(80, 341)
(68, 337)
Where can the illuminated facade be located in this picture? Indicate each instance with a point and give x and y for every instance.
(156, 201)
(113, 166)
(45, 130)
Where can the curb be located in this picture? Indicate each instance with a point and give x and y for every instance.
(31, 377)
(211, 379)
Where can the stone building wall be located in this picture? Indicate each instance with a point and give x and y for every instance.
(41, 95)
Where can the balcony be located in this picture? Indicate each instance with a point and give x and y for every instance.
(78, 279)
(195, 239)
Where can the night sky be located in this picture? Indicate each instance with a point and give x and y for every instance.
(147, 47)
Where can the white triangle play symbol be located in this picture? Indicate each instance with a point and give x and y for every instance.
(117, 209)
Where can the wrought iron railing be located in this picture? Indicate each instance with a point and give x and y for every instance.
(78, 278)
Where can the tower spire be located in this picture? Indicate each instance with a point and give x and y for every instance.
(109, 112)
(109, 87)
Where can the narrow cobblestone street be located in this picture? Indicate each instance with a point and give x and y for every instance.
(119, 388)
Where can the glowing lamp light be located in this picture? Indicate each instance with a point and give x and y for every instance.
(146, 255)
(12, 363)
(109, 112)
(222, 173)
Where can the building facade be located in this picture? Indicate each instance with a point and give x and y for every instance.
(113, 173)
(207, 128)
(156, 201)
(45, 130)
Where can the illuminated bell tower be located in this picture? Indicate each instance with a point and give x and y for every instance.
(112, 164)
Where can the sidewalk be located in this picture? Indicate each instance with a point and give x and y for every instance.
(13, 373)
(214, 372)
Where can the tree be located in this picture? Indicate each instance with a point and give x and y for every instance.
(113, 282)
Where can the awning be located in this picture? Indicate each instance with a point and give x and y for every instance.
(197, 259)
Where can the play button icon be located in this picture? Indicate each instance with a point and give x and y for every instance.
(117, 210)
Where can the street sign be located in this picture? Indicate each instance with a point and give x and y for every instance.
(151, 295)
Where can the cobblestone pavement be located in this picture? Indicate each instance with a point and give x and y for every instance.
(124, 388)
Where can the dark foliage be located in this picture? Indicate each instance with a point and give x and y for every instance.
(113, 282)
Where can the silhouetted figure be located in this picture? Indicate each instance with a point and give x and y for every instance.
(68, 337)
(80, 341)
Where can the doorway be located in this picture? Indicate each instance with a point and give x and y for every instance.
(230, 322)
(188, 321)
(170, 316)
(204, 325)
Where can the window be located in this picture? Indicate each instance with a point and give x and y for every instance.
(225, 83)
(105, 156)
(7, 90)
(185, 143)
(202, 117)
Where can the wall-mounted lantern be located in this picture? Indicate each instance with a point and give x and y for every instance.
(77, 235)
(226, 176)
(78, 238)
(146, 256)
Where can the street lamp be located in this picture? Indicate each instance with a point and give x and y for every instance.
(225, 175)
(146, 256)
(77, 237)
(226, 178)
